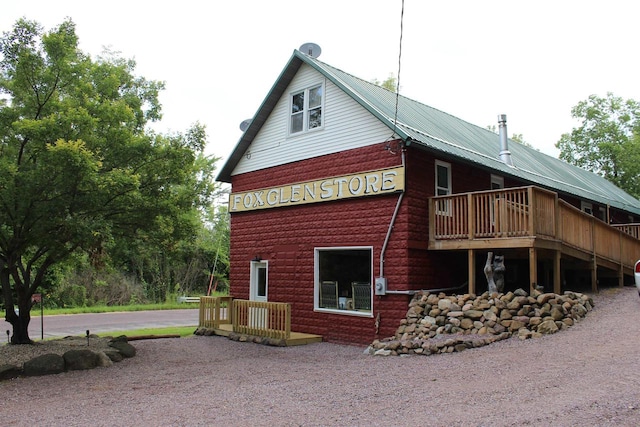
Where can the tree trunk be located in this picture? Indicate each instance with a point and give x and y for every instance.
(20, 321)
(488, 273)
(20, 324)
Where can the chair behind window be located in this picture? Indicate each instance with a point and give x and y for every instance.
(329, 294)
(361, 293)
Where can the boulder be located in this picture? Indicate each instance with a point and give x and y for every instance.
(78, 360)
(126, 349)
(114, 355)
(8, 372)
(45, 364)
(548, 327)
(104, 360)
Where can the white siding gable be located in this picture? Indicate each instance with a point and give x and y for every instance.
(346, 125)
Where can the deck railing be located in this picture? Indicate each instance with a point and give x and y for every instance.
(514, 212)
(264, 319)
(585, 232)
(215, 311)
(529, 212)
(630, 229)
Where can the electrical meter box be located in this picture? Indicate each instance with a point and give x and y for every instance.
(381, 286)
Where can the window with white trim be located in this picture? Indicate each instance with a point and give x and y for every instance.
(497, 182)
(443, 178)
(306, 109)
(343, 281)
(586, 207)
(443, 187)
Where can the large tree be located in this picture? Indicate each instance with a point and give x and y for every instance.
(606, 142)
(78, 167)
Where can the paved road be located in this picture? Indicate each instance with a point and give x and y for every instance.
(77, 324)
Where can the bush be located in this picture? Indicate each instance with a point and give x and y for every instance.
(72, 296)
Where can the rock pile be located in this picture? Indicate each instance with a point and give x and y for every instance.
(72, 359)
(233, 336)
(439, 323)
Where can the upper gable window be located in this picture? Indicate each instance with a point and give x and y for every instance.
(306, 109)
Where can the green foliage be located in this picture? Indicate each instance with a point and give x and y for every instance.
(516, 137)
(606, 142)
(72, 296)
(390, 83)
(80, 172)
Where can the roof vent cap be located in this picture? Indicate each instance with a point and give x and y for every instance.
(505, 154)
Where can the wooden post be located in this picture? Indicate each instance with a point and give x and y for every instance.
(533, 269)
(556, 217)
(471, 216)
(472, 271)
(557, 280)
(594, 267)
(531, 225)
(594, 275)
(432, 220)
(621, 273)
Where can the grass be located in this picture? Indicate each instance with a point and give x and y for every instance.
(116, 308)
(182, 331)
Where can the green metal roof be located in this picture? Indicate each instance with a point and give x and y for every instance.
(443, 133)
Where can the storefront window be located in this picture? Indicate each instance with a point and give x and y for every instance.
(343, 279)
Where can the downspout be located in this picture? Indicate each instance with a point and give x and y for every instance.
(384, 250)
(391, 224)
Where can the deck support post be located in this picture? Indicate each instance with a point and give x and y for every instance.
(621, 272)
(594, 275)
(557, 272)
(533, 269)
(621, 275)
(472, 271)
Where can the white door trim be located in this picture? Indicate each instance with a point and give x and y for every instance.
(259, 291)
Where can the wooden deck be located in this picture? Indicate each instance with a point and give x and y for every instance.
(271, 320)
(536, 220)
(296, 338)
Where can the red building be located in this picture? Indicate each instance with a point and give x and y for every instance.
(344, 209)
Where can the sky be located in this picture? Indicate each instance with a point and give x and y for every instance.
(532, 61)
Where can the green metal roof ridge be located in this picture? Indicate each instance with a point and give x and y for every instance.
(434, 129)
(500, 162)
(612, 195)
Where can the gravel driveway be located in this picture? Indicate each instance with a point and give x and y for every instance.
(588, 375)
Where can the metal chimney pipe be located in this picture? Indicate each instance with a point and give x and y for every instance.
(505, 154)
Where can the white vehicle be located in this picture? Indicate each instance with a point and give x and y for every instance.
(636, 273)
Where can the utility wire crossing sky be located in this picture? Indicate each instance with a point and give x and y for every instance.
(532, 61)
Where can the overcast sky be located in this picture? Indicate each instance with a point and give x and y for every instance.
(473, 59)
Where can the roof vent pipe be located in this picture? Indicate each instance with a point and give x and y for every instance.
(505, 154)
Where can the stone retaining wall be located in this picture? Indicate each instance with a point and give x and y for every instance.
(439, 323)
